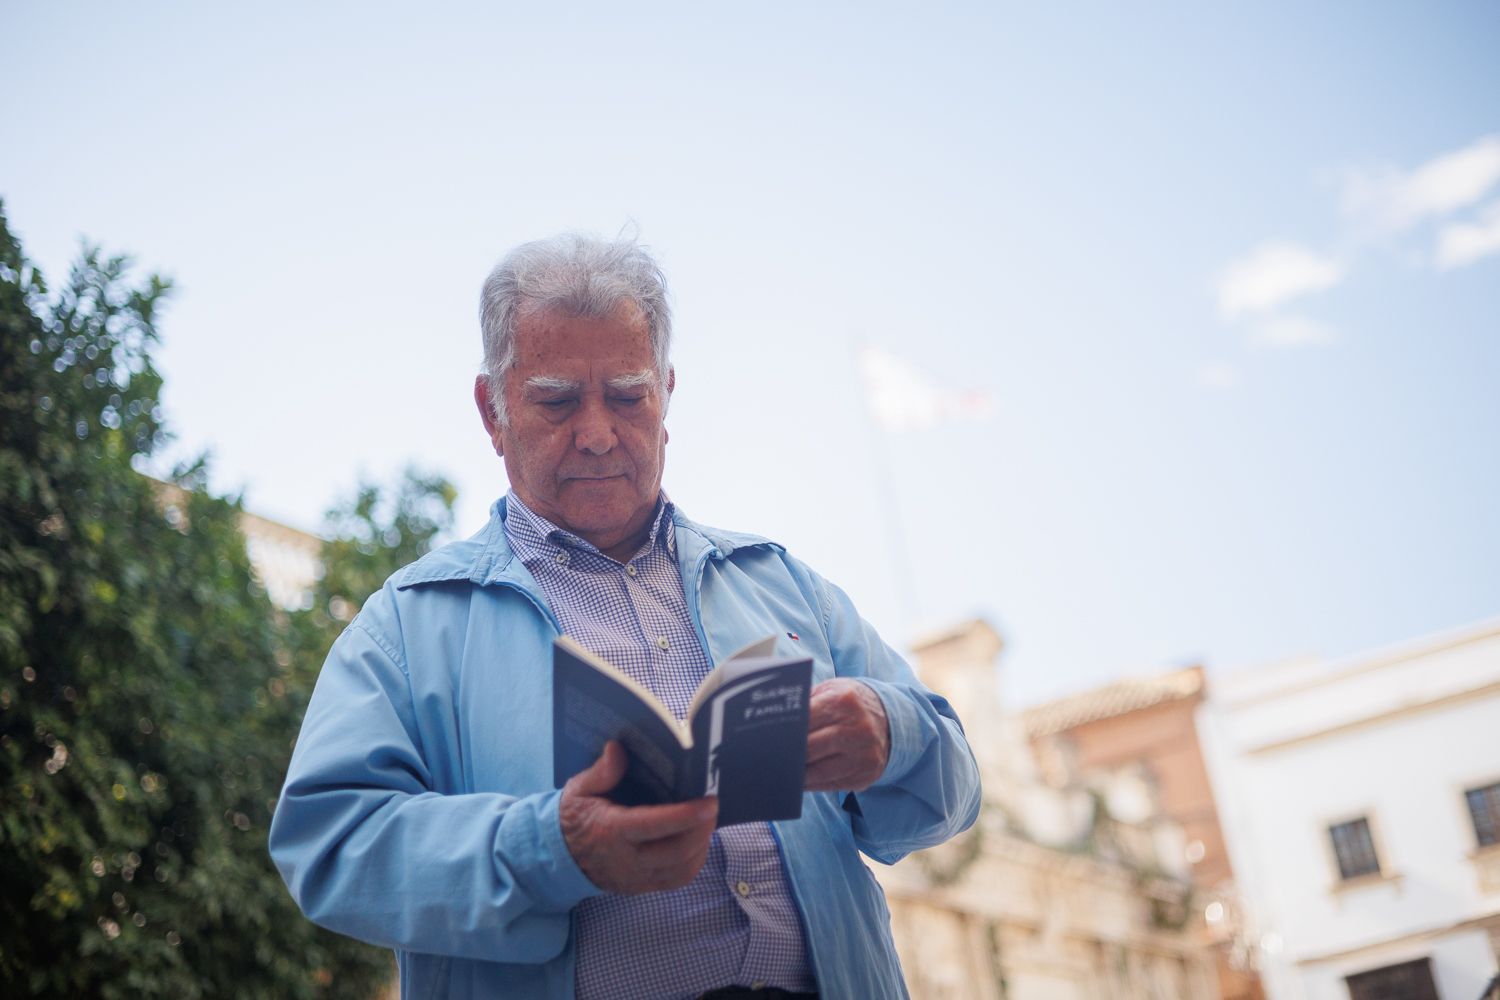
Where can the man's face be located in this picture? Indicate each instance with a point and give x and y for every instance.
(585, 442)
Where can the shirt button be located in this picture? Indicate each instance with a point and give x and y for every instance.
(743, 888)
(661, 642)
(562, 557)
(630, 570)
(759, 984)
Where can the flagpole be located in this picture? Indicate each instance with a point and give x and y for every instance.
(889, 501)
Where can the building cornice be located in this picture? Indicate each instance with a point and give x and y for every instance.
(1487, 921)
(1336, 671)
(1379, 718)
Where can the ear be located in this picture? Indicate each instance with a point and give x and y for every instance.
(671, 384)
(487, 413)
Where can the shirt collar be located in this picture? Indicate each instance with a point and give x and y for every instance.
(532, 536)
(488, 558)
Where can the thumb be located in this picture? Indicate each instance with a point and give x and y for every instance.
(602, 775)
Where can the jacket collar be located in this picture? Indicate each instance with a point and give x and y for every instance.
(486, 559)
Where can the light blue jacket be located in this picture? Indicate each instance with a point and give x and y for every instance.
(419, 812)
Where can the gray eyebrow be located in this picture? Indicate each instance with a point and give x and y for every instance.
(551, 383)
(646, 378)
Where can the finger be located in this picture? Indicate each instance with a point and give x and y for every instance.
(838, 775)
(833, 702)
(848, 723)
(679, 858)
(603, 774)
(835, 689)
(823, 705)
(830, 687)
(859, 759)
(833, 715)
(643, 824)
(671, 853)
(834, 741)
(825, 779)
(831, 766)
(844, 741)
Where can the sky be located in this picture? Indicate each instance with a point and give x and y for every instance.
(1217, 285)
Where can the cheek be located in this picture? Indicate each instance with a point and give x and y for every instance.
(648, 447)
(538, 460)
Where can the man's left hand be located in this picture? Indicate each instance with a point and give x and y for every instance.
(849, 737)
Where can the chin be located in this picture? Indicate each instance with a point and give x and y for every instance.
(604, 506)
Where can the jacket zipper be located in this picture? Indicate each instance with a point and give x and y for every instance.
(695, 611)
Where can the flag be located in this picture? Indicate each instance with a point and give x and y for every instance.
(903, 397)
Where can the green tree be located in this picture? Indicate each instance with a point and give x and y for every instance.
(370, 537)
(150, 692)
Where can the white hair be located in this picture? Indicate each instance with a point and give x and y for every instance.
(580, 275)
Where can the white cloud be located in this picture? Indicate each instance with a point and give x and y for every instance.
(1218, 375)
(1394, 200)
(1273, 274)
(1291, 331)
(1461, 243)
(1392, 209)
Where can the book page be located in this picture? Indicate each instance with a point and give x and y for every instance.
(761, 648)
(635, 687)
(592, 705)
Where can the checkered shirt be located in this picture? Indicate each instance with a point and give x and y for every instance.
(736, 922)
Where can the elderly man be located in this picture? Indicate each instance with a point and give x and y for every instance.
(419, 811)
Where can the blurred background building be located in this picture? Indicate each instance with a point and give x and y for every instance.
(1148, 725)
(1361, 807)
(287, 560)
(1064, 890)
(1306, 830)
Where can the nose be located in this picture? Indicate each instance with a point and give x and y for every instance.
(594, 428)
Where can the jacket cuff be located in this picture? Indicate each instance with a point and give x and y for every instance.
(907, 728)
(532, 845)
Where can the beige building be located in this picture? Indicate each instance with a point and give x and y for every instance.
(1075, 892)
(1149, 723)
(286, 560)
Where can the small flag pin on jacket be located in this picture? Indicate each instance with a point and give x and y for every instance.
(794, 636)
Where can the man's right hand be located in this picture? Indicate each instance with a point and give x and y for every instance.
(631, 849)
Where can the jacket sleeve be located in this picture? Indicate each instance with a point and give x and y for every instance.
(930, 789)
(368, 849)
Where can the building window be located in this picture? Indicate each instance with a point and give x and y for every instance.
(1484, 810)
(1407, 981)
(1354, 848)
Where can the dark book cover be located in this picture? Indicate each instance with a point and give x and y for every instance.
(744, 740)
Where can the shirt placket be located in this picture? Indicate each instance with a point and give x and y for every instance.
(643, 628)
(677, 666)
(754, 877)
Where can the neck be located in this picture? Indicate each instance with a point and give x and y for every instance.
(627, 546)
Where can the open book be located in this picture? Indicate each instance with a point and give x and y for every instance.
(744, 738)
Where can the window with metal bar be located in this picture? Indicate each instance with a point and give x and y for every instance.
(1484, 810)
(1354, 848)
(1407, 981)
